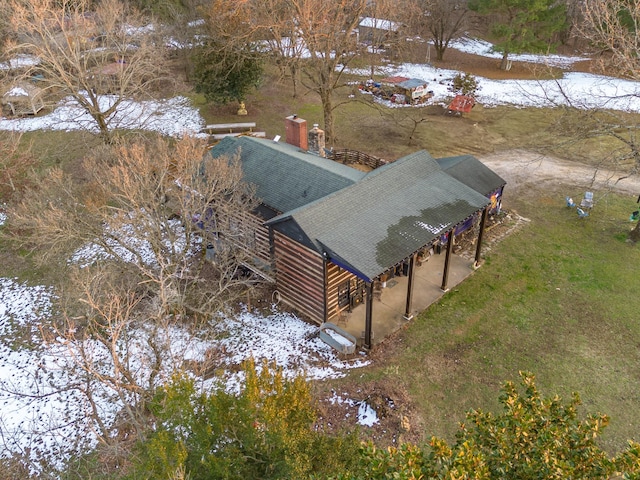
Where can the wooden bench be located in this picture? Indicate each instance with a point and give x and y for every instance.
(220, 136)
(230, 127)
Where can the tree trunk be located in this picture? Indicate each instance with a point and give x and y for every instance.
(293, 68)
(327, 110)
(505, 64)
(105, 134)
(440, 48)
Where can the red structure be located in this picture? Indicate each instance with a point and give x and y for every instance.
(461, 104)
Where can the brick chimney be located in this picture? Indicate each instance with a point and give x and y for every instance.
(296, 131)
(316, 140)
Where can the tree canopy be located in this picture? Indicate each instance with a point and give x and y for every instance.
(225, 75)
(532, 437)
(522, 25)
(263, 432)
(99, 55)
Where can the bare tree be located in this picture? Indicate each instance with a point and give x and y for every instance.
(103, 361)
(612, 26)
(150, 208)
(128, 235)
(327, 29)
(444, 20)
(281, 35)
(16, 162)
(98, 56)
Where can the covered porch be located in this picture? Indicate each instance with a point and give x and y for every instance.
(389, 303)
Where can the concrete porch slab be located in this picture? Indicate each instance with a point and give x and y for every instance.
(389, 310)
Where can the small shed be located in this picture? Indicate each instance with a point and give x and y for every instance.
(376, 30)
(414, 90)
(23, 98)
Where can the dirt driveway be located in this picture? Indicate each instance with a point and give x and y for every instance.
(521, 168)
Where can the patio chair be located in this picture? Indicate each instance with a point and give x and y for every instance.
(342, 317)
(587, 201)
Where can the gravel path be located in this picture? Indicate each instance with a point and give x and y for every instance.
(521, 168)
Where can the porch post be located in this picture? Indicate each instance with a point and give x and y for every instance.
(369, 317)
(407, 311)
(485, 213)
(447, 260)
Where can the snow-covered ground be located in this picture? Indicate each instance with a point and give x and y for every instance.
(46, 424)
(581, 90)
(173, 117)
(176, 117)
(43, 410)
(485, 49)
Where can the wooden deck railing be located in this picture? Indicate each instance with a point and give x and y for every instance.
(346, 156)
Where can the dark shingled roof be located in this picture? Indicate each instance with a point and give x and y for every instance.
(286, 177)
(385, 217)
(473, 173)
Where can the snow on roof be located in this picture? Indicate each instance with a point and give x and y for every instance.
(379, 23)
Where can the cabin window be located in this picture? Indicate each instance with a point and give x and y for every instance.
(343, 294)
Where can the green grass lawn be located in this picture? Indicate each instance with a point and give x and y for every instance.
(556, 298)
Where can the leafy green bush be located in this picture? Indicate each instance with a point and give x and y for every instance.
(464, 84)
(226, 75)
(534, 437)
(264, 432)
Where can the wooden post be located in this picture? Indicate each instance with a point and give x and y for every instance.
(368, 321)
(412, 263)
(272, 250)
(447, 260)
(483, 221)
(325, 293)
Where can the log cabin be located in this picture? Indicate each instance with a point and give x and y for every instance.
(327, 233)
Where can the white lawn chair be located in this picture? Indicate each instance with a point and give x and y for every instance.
(587, 201)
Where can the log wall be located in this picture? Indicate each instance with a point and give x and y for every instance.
(299, 277)
(336, 276)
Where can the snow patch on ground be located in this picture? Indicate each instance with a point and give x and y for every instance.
(367, 416)
(476, 46)
(172, 117)
(45, 414)
(580, 90)
(20, 61)
(281, 338)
